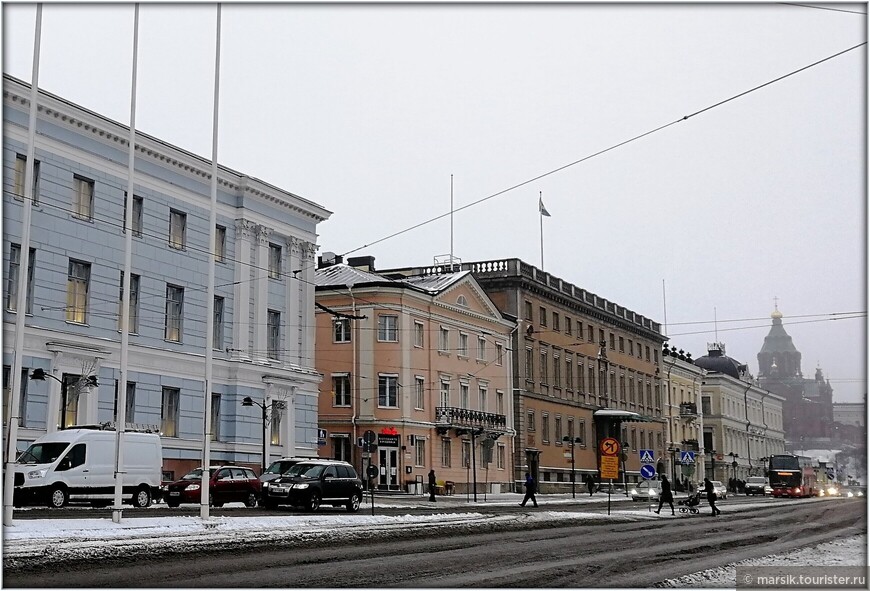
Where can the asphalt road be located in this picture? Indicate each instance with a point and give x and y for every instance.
(612, 554)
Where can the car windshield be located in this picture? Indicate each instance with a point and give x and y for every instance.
(196, 474)
(717, 483)
(42, 453)
(757, 480)
(306, 470)
(278, 467)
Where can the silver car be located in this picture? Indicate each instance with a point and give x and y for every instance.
(648, 490)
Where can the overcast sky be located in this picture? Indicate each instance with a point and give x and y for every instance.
(369, 109)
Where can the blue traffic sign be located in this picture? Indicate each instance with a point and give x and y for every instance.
(687, 457)
(646, 456)
(647, 471)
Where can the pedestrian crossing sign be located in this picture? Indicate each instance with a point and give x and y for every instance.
(646, 456)
(687, 457)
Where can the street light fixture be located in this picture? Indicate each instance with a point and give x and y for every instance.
(39, 374)
(571, 442)
(248, 401)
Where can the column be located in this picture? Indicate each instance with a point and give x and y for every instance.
(261, 294)
(241, 345)
(292, 334)
(309, 252)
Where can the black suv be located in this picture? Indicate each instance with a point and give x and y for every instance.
(310, 483)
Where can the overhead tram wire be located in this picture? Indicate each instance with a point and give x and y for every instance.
(600, 152)
(859, 315)
(823, 8)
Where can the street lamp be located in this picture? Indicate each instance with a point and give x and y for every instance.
(571, 441)
(734, 457)
(674, 452)
(248, 401)
(624, 456)
(89, 381)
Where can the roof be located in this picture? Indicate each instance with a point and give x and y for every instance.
(717, 361)
(345, 275)
(435, 283)
(777, 340)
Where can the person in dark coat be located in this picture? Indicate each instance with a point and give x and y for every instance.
(667, 495)
(711, 496)
(590, 484)
(432, 485)
(530, 491)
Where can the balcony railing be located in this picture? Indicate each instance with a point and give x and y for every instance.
(688, 410)
(451, 416)
(690, 445)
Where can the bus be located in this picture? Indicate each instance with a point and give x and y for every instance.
(791, 476)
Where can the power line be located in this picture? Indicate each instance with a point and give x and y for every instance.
(858, 315)
(823, 8)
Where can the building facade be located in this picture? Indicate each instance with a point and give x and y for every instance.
(264, 252)
(422, 363)
(743, 422)
(683, 379)
(585, 368)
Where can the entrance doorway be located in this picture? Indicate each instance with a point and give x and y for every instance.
(389, 464)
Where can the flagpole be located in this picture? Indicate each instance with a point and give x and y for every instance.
(121, 404)
(21, 303)
(541, 215)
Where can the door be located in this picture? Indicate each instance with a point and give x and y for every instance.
(389, 468)
(74, 468)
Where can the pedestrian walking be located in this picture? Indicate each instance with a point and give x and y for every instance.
(590, 484)
(667, 496)
(432, 485)
(711, 496)
(530, 491)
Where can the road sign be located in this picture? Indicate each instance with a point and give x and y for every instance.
(647, 471)
(369, 436)
(687, 457)
(609, 447)
(372, 471)
(646, 456)
(609, 467)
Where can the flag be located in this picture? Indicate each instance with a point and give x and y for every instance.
(541, 207)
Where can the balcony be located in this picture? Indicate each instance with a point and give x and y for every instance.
(690, 445)
(451, 417)
(688, 410)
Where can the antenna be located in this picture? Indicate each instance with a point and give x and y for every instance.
(715, 326)
(451, 222)
(665, 306)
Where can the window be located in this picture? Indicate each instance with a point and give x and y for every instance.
(556, 322)
(444, 340)
(130, 400)
(600, 336)
(482, 392)
(631, 347)
(582, 433)
(341, 390)
(530, 425)
(388, 391)
(567, 325)
(463, 395)
(543, 316)
(220, 244)
(463, 344)
(656, 355)
(418, 334)
(419, 393)
(581, 376)
(169, 412)
(545, 427)
(557, 425)
(215, 417)
(277, 408)
(499, 351)
(462, 301)
(78, 281)
(7, 390)
(528, 311)
(274, 261)
(341, 448)
(530, 374)
(706, 409)
(217, 337)
(481, 348)
(20, 170)
(612, 342)
(69, 405)
(621, 345)
(571, 427)
(569, 373)
(500, 456)
(557, 371)
(137, 215)
(134, 303)
(174, 313)
(341, 330)
(646, 351)
(83, 197)
(273, 343)
(445, 393)
(388, 328)
(177, 228)
(419, 451)
(445, 453)
(466, 453)
(499, 402)
(590, 332)
(544, 362)
(12, 279)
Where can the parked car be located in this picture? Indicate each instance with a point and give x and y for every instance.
(648, 490)
(226, 484)
(757, 485)
(718, 488)
(276, 469)
(313, 482)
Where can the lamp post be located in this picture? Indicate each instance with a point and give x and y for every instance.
(674, 452)
(571, 441)
(248, 401)
(89, 381)
(734, 457)
(624, 456)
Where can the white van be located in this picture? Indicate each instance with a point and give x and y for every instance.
(78, 464)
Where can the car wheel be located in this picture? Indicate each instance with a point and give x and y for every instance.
(142, 498)
(58, 497)
(251, 501)
(313, 501)
(353, 503)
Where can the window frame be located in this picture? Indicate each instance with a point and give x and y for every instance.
(12, 279)
(83, 198)
(174, 314)
(385, 331)
(217, 336)
(273, 334)
(388, 390)
(220, 244)
(275, 259)
(170, 403)
(177, 229)
(135, 283)
(77, 291)
(341, 330)
(18, 182)
(341, 390)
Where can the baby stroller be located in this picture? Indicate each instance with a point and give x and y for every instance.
(690, 504)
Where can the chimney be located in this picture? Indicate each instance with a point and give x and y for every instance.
(364, 263)
(328, 259)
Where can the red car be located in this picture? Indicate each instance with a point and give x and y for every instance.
(227, 484)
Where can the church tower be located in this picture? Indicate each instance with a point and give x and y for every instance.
(778, 358)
